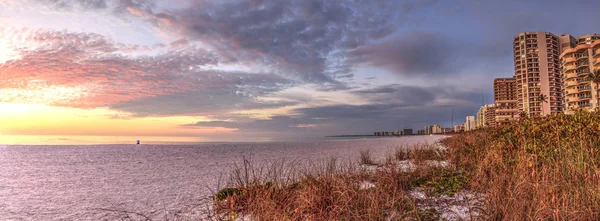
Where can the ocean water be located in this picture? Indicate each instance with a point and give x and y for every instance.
(100, 182)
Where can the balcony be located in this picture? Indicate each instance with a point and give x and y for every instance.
(505, 110)
(571, 92)
(582, 57)
(569, 67)
(570, 59)
(597, 51)
(583, 64)
(583, 89)
(570, 75)
(571, 83)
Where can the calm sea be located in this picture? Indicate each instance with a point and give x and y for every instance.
(95, 182)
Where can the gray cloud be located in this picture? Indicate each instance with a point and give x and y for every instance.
(407, 95)
(70, 5)
(405, 107)
(298, 38)
(230, 93)
(412, 54)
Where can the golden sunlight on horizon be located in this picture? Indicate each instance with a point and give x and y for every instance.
(44, 120)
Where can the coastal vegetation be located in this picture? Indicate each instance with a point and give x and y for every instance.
(538, 168)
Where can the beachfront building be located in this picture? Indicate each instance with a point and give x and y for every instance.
(483, 115)
(470, 123)
(407, 132)
(537, 72)
(420, 132)
(437, 129)
(433, 129)
(578, 62)
(505, 100)
(490, 116)
(459, 128)
(485, 112)
(447, 130)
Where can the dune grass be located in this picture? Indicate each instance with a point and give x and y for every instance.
(332, 190)
(534, 169)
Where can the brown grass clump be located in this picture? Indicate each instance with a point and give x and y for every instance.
(366, 158)
(420, 152)
(535, 169)
(329, 191)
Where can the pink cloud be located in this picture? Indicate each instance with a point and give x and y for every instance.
(75, 60)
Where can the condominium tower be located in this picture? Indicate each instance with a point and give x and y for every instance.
(490, 116)
(505, 100)
(578, 62)
(484, 115)
(537, 72)
(470, 123)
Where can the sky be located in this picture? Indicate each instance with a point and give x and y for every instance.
(115, 71)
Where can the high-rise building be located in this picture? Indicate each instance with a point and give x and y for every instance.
(505, 100)
(437, 129)
(470, 123)
(578, 62)
(490, 116)
(483, 114)
(407, 132)
(459, 127)
(428, 130)
(537, 72)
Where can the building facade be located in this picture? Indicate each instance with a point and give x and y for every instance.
(578, 62)
(483, 114)
(505, 100)
(428, 130)
(490, 116)
(459, 128)
(437, 129)
(537, 72)
(470, 123)
(407, 132)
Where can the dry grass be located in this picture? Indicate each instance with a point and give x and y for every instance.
(366, 158)
(535, 169)
(331, 190)
(419, 152)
